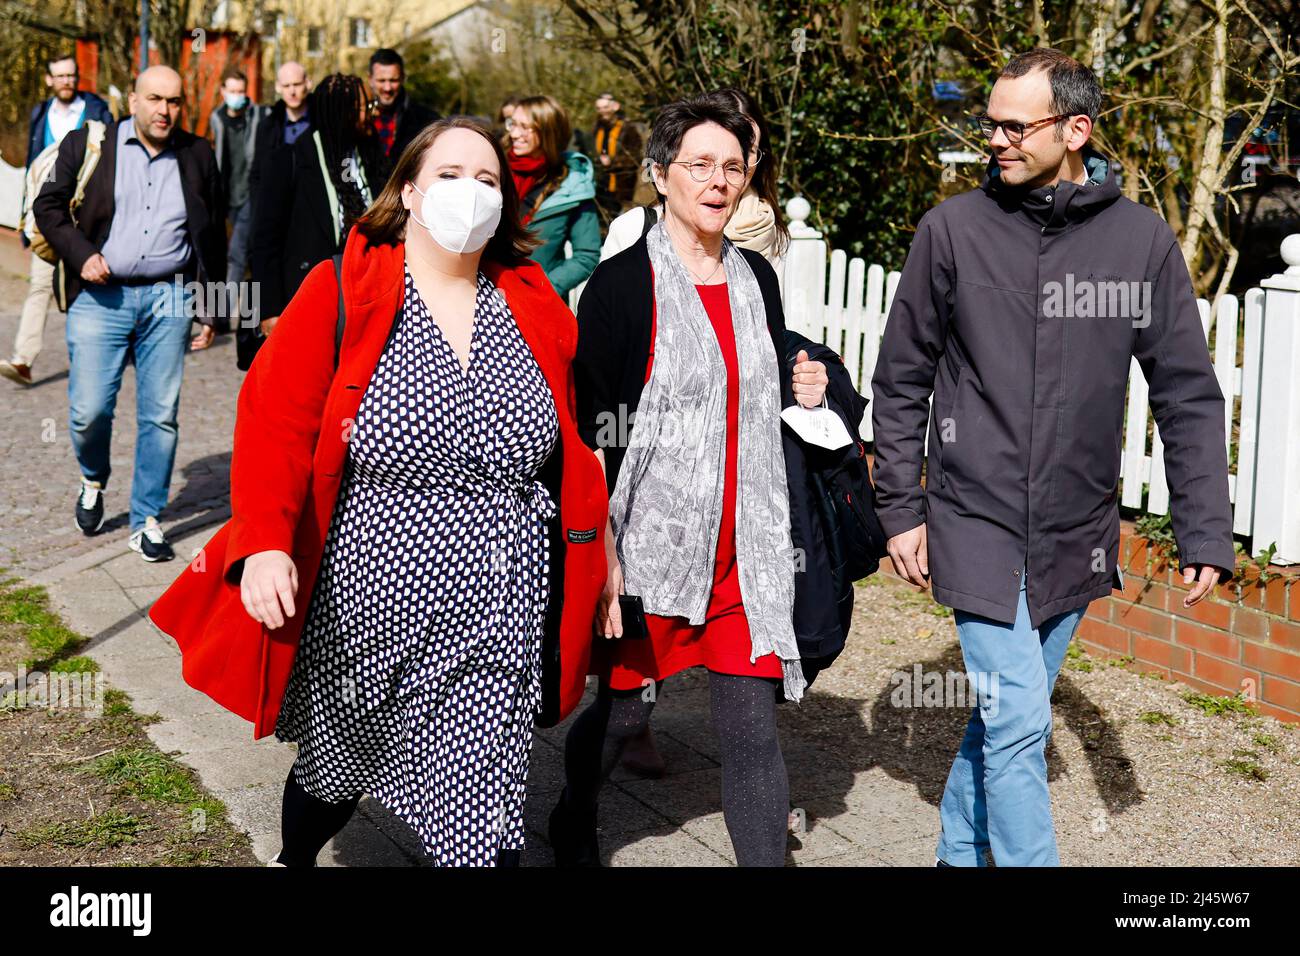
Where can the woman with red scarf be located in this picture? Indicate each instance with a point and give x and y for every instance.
(557, 191)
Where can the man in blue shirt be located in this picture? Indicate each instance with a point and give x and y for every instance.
(67, 109)
(152, 221)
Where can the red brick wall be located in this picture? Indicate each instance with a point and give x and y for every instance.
(1246, 632)
(1245, 637)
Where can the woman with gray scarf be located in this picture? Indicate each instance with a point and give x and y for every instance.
(680, 380)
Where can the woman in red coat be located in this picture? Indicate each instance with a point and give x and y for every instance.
(416, 545)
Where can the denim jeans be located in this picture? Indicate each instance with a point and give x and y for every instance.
(996, 794)
(109, 326)
(241, 234)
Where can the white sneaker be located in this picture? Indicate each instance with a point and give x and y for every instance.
(90, 507)
(150, 543)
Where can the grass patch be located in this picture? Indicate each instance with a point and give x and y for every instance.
(119, 719)
(102, 831)
(51, 641)
(923, 601)
(1158, 717)
(74, 665)
(1245, 763)
(145, 807)
(1213, 706)
(1267, 741)
(1076, 658)
(147, 774)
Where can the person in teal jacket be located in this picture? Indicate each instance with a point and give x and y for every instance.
(557, 189)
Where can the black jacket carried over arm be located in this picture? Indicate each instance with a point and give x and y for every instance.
(614, 337)
(205, 206)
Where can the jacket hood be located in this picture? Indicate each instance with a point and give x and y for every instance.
(578, 185)
(1056, 207)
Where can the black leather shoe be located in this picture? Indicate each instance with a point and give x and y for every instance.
(573, 839)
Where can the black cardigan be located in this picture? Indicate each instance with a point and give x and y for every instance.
(615, 317)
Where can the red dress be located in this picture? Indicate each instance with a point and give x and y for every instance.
(722, 643)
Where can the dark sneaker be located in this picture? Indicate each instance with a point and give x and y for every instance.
(16, 372)
(149, 542)
(90, 507)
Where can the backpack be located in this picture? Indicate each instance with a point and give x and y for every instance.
(42, 169)
(846, 506)
(648, 220)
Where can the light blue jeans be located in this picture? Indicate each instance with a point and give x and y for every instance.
(108, 327)
(996, 794)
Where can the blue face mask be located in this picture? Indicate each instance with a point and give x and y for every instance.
(235, 101)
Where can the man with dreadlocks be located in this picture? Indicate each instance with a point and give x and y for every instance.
(312, 192)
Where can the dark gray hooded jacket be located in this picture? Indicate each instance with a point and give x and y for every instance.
(1020, 309)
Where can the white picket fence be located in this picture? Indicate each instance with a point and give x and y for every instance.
(844, 303)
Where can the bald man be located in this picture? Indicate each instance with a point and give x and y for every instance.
(287, 121)
(152, 223)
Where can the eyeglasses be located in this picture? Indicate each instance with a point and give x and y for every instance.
(1015, 132)
(702, 171)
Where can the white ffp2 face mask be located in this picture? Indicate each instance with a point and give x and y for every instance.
(461, 214)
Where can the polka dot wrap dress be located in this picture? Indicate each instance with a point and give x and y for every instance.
(419, 669)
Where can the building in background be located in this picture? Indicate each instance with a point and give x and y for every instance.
(327, 36)
(331, 35)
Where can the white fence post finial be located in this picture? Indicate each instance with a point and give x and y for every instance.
(803, 282)
(1277, 468)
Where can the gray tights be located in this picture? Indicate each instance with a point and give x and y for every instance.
(755, 790)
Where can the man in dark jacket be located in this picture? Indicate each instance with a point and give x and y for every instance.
(616, 145)
(66, 110)
(235, 126)
(1021, 307)
(398, 118)
(287, 121)
(153, 218)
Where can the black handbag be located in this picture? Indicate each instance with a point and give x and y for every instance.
(846, 502)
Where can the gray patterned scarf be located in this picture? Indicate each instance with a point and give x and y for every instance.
(666, 508)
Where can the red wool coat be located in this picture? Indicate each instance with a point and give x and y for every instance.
(295, 415)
